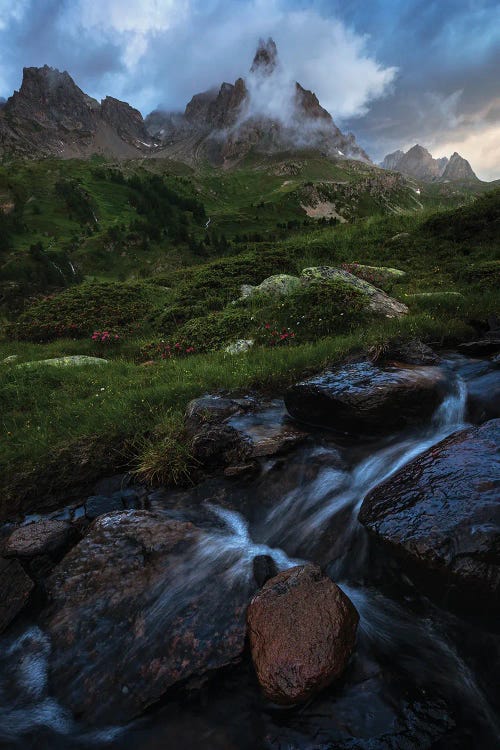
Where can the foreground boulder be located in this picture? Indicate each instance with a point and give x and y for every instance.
(233, 433)
(302, 630)
(47, 537)
(442, 510)
(278, 285)
(378, 301)
(133, 611)
(364, 398)
(15, 589)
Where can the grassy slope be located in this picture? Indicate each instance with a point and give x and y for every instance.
(256, 199)
(62, 426)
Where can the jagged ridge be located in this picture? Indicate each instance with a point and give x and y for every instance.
(230, 124)
(419, 163)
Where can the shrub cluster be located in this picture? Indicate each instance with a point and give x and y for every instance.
(80, 310)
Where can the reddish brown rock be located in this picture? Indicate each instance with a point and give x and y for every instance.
(47, 537)
(302, 631)
(134, 609)
(15, 588)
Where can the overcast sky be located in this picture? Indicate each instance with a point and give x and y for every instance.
(395, 72)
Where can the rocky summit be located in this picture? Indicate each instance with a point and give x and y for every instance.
(51, 115)
(228, 122)
(419, 163)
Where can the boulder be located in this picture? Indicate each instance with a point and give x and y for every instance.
(302, 630)
(15, 589)
(48, 537)
(413, 352)
(274, 286)
(384, 273)
(133, 610)
(213, 410)
(216, 445)
(77, 360)
(98, 505)
(482, 347)
(377, 300)
(264, 568)
(229, 432)
(239, 347)
(361, 397)
(400, 236)
(483, 397)
(441, 512)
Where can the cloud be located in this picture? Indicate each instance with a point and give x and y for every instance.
(167, 50)
(393, 71)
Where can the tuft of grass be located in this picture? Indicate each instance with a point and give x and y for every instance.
(164, 456)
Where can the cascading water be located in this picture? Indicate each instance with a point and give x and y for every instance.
(404, 643)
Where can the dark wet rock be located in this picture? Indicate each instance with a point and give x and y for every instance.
(361, 397)
(15, 589)
(216, 445)
(483, 397)
(276, 441)
(130, 614)
(248, 470)
(264, 568)
(48, 537)
(302, 630)
(490, 344)
(110, 485)
(441, 512)
(98, 505)
(213, 410)
(412, 352)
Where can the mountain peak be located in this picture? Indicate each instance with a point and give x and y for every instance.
(418, 162)
(458, 168)
(266, 57)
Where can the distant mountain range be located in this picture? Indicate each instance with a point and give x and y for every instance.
(419, 163)
(266, 112)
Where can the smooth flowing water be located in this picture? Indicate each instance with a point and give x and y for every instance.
(420, 673)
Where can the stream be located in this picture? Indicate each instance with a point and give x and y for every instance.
(422, 675)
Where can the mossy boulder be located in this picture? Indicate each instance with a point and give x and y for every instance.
(377, 301)
(279, 285)
(76, 360)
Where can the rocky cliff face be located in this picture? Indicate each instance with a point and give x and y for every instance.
(419, 163)
(267, 112)
(236, 119)
(458, 168)
(391, 161)
(51, 115)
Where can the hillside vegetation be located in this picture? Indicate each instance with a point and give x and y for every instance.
(159, 296)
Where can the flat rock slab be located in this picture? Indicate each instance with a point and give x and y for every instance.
(302, 630)
(15, 589)
(442, 510)
(368, 399)
(76, 360)
(135, 608)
